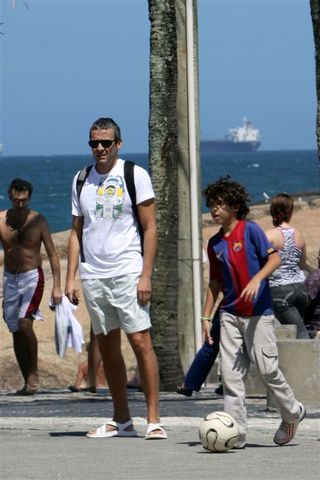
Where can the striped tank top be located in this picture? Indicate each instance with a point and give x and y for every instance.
(289, 271)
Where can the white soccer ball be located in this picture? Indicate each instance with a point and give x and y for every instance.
(218, 432)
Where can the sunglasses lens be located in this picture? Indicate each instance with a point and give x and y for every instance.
(107, 143)
(104, 143)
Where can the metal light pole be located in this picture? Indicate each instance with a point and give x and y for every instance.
(194, 183)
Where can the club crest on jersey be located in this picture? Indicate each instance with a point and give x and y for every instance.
(237, 246)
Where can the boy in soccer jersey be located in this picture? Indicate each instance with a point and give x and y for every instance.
(241, 259)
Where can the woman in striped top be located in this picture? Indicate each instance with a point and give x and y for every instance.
(287, 281)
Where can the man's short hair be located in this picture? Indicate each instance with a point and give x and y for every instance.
(105, 124)
(20, 185)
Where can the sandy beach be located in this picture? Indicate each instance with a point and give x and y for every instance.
(56, 372)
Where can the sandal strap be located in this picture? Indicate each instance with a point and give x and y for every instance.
(112, 423)
(119, 426)
(101, 430)
(154, 426)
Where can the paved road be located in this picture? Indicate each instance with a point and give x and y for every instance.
(43, 438)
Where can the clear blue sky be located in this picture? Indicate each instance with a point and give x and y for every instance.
(67, 62)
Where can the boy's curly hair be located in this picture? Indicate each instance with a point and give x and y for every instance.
(229, 192)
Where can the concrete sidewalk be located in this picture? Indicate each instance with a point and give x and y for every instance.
(43, 438)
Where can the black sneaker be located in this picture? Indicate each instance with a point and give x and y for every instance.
(75, 389)
(184, 391)
(219, 390)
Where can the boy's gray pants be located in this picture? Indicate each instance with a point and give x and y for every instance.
(252, 339)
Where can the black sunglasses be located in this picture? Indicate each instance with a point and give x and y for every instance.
(104, 143)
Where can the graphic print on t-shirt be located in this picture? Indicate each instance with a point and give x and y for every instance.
(109, 198)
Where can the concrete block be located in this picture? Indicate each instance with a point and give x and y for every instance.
(299, 361)
(284, 332)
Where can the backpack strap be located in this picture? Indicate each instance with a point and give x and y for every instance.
(129, 179)
(83, 175)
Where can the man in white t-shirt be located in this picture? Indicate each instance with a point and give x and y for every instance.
(116, 278)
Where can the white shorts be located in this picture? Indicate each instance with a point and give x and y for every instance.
(112, 303)
(22, 294)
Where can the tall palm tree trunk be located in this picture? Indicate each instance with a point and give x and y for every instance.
(163, 166)
(315, 15)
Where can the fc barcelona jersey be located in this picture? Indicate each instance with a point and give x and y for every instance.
(234, 260)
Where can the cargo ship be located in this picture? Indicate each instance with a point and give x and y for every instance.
(239, 139)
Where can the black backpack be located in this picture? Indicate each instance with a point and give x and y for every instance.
(129, 179)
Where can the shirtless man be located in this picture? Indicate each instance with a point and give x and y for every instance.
(22, 231)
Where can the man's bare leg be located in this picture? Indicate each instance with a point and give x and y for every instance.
(94, 359)
(149, 371)
(26, 351)
(21, 353)
(116, 375)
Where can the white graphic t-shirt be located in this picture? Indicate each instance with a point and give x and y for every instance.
(111, 242)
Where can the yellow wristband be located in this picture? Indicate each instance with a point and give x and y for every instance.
(203, 319)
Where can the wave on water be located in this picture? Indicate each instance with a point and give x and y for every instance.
(57, 195)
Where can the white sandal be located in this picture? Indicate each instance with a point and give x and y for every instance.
(152, 427)
(119, 430)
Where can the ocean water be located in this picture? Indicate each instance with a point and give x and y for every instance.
(262, 173)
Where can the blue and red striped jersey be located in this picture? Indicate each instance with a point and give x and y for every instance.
(234, 260)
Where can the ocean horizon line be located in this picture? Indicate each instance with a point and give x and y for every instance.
(124, 152)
